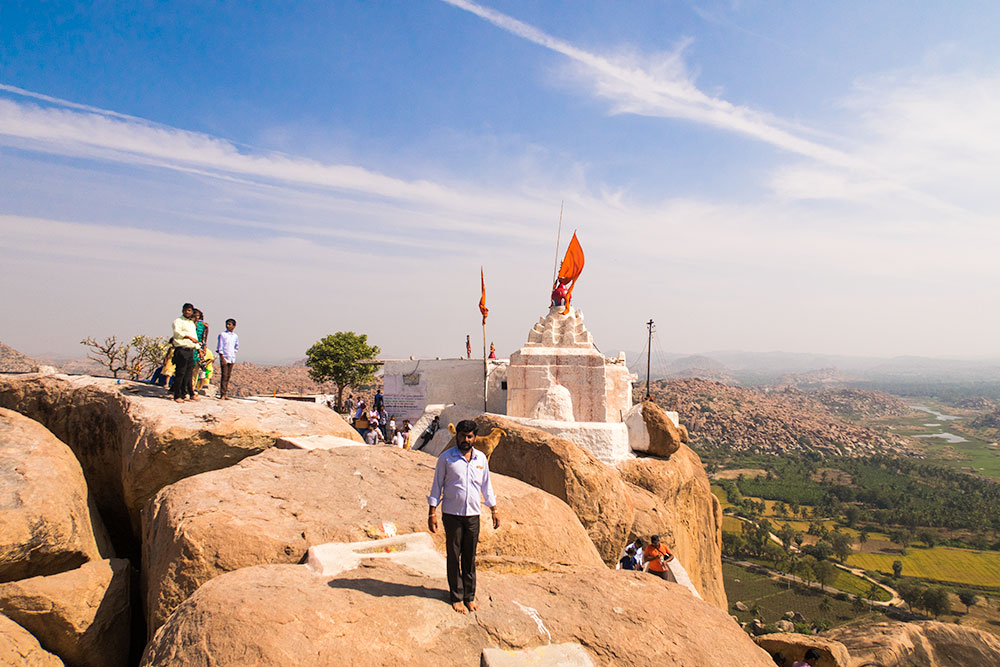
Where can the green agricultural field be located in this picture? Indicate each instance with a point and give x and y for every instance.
(732, 525)
(961, 566)
(774, 599)
(975, 455)
(721, 495)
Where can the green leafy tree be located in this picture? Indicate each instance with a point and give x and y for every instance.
(863, 536)
(337, 358)
(786, 535)
(936, 601)
(858, 604)
(897, 568)
(825, 605)
(912, 594)
(825, 572)
(928, 537)
(841, 543)
(775, 554)
(968, 598)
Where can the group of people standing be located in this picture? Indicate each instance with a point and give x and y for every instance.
(375, 425)
(189, 355)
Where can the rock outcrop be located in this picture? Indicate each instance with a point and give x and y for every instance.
(691, 515)
(46, 523)
(794, 646)
(285, 614)
(131, 441)
(270, 508)
(924, 644)
(664, 437)
(594, 490)
(81, 615)
(18, 648)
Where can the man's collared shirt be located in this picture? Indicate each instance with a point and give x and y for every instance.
(184, 327)
(461, 483)
(228, 345)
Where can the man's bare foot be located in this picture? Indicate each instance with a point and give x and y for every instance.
(179, 400)
(193, 398)
(458, 606)
(471, 605)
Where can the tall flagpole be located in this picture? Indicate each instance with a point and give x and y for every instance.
(555, 266)
(485, 372)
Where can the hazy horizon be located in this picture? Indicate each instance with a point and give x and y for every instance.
(751, 176)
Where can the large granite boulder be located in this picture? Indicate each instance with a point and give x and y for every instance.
(594, 490)
(19, 649)
(384, 612)
(47, 524)
(270, 508)
(132, 441)
(923, 644)
(794, 646)
(652, 431)
(81, 615)
(693, 516)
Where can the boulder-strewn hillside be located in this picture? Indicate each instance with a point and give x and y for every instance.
(780, 420)
(12, 361)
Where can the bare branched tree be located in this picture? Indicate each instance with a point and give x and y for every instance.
(134, 357)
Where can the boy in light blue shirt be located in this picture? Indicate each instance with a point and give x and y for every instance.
(229, 344)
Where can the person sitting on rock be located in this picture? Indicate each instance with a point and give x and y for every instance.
(655, 557)
(810, 660)
(429, 432)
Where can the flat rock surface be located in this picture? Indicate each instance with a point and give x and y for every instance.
(381, 611)
(132, 440)
(686, 512)
(923, 644)
(19, 649)
(46, 524)
(594, 490)
(272, 507)
(81, 615)
(550, 655)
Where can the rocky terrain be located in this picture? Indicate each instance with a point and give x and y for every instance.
(227, 509)
(12, 361)
(781, 420)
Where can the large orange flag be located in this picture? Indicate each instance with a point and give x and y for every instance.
(571, 268)
(482, 301)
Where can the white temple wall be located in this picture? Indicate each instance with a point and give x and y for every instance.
(410, 386)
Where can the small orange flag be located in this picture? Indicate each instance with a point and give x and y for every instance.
(571, 268)
(482, 301)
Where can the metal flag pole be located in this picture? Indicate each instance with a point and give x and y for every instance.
(555, 266)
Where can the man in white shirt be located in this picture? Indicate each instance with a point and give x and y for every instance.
(185, 341)
(461, 477)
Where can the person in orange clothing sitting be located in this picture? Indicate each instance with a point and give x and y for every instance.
(656, 556)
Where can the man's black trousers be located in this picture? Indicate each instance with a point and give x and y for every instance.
(461, 537)
(184, 363)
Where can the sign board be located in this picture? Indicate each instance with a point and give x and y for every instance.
(405, 396)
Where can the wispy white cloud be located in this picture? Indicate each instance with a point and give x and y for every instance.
(665, 90)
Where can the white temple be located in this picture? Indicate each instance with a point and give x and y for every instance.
(560, 382)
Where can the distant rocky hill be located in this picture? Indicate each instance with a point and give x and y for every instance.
(12, 361)
(780, 420)
(252, 380)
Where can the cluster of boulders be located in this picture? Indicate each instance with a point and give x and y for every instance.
(135, 530)
(181, 529)
(785, 420)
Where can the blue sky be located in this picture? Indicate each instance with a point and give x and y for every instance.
(759, 176)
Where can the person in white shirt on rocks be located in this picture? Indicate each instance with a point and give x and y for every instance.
(461, 478)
